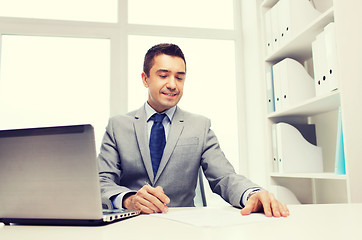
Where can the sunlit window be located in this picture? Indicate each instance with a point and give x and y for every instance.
(76, 10)
(49, 81)
(213, 14)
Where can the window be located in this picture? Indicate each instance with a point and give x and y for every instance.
(214, 14)
(78, 10)
(65, 72)
(49, 81)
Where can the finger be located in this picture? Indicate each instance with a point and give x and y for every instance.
(265, 199)
(275, 206)
(250, 206)
(152, 198)
(143, 204)
(284, 210)
(160, 194)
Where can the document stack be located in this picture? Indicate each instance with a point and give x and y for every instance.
(295, 150)
(292, 84)
(285, 20)
(325, 60)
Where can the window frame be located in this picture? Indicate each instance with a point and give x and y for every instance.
(118, 34)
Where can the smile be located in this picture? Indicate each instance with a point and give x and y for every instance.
(170, 94)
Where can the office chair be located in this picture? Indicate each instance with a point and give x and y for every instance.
(200, 197)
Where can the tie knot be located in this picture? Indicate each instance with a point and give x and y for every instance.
(157, 117)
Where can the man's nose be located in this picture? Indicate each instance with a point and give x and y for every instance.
(171, 84)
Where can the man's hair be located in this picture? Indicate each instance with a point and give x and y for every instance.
(163, 48)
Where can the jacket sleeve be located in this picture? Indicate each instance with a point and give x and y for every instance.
(221, 175)
(109, 166)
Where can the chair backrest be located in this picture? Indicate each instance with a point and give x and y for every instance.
(200, 197)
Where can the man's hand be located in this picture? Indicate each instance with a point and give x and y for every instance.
(265, 201)
(148, 199)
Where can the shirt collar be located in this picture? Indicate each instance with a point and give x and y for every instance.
(150, 111)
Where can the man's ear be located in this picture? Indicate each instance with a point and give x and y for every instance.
(145, 79)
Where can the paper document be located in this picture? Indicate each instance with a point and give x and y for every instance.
(213, 217)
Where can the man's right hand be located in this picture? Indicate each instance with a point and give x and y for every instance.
(148, 199)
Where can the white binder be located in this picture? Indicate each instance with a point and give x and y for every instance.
(277, 87)
(268, 32)
(275, 148)
(294, 15)
(295, 153)
(274, 15)
(292, 84)
(269, 89)
(331, 56)
(320, 65)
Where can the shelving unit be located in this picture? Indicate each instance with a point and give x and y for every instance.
(325, 187)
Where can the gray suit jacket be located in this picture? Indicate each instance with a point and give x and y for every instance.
(125, 162)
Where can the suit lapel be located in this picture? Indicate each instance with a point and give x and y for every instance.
(177, 126)
(140, 125)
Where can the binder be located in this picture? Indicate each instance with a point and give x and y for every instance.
(331, 56)
(269, 89)
(268, 32)
(295, 153)
(275, 148)
(274, 15)
(340, 165)
(292, 84)
(296, 14)
(277, 87)
(288, 18)
(320, 64)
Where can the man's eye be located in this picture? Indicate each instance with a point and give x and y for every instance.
(163, 76)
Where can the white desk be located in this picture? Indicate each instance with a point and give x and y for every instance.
(335, 221)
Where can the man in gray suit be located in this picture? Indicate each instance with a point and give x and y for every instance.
(135, 172)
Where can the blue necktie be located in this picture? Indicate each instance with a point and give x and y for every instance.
(157, 141)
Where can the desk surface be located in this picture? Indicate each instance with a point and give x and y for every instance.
(330, 221)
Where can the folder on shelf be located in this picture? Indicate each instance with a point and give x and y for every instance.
(320, 65)
(269, 89)
(295, 153)
(297, 14)
(268, 32)
(292, 84)
(277, 87)
(331, 55)
(340, 165)
(275, 148)
(274, 16)
(288, 17)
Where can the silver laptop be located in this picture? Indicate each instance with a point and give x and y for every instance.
(50, 176)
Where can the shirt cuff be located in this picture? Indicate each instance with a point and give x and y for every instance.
(117, 201)
(245, 196)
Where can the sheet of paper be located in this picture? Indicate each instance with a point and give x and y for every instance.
(213, 217)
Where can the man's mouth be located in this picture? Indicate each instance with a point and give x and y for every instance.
(170, 94)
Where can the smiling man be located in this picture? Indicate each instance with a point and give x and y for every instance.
(149, 159)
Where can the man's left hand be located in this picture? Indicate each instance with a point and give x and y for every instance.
(266, 202)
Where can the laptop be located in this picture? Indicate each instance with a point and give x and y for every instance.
(50, 176)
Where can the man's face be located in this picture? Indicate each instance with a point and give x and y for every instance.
(165, 82)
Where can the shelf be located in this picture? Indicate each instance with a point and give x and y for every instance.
(320, 104)
(327, 176)
(299, 48)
